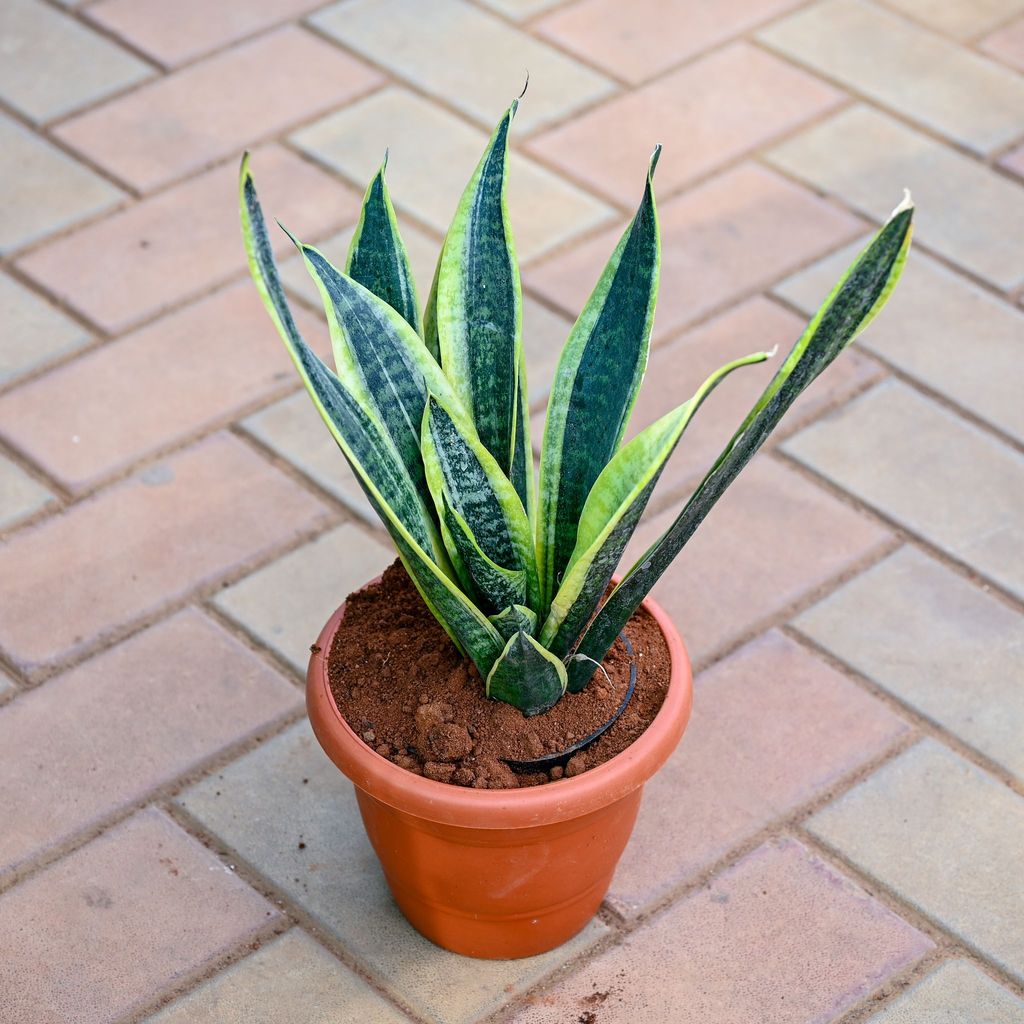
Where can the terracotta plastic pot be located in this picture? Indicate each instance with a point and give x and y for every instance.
(499, 874)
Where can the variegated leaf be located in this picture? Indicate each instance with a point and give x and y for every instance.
(369, 450)
(478, 305)
(513, 619)
(612, 511)
(377, 258)
(596, 385)
(856, 299)
(527, 676)
(465, 479)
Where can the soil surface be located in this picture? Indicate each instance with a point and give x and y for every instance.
(404, 688)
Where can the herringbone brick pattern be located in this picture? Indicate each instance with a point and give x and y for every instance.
(839, 837)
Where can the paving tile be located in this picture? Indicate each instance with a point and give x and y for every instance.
(961, 18)
(957, 991)
(293, 429)
(432, 156)
(182, 690)
(772, 727)
(104, 931)
(677, 368)
(918, 73)
(779, 938)
(1014, 161)
(213, 109)
(53, 64)
(116, 404)
(46, 190)
(641, 39)
(20, 495)
(733, 234)
(520, 9)
(771, 539)
(935, 474)
(266, 807)
(464, 56)
(173, 34)
(317, 578)
(1008, 43)
(292, 978)
(935, 641)
(116, 557)
(923, 328)
(708, 113)
(35, 332)
(184, 241)
(866, 158)
(946, 838)
(7, 687)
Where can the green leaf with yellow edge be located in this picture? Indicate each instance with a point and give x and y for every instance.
(527, 676)
(596, 385)
(377, 257)
(514, 618)
(856, 299)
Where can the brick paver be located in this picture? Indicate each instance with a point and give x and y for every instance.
(286, 794)
(212, 109)
(732, 777)
(176, 523)
(946, 837)
(172, 527)
(105, 931)
(780, 938)
(182, 690)
(291, 979)
(936, 641)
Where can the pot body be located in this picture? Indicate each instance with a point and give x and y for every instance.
(499, 874)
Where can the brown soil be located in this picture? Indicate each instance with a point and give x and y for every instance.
(404, 688)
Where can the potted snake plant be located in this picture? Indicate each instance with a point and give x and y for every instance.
(498, 699)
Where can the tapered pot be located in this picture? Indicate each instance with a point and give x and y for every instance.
(499, 874)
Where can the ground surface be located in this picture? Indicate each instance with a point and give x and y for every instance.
(840, 835)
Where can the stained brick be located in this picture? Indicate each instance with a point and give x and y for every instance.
(100, 934)
(116, 557)
(317, 578)
(932, 639)
(184, 241)
(773, 538)
(213, 109)
(182, 690)
(734, 234)
(287, 792)
(772, 726)
(187, 372)
(1008, 43)
(923, 328)
(432, 156)
(465, 56)
(45, 189)
(640, 39)
(780, 938)
(708, 113)
(946, 837)
(867, 158)
(932, 472)
(916, 72)
(53, 64)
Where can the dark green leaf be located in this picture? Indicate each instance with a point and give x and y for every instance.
(527, 676)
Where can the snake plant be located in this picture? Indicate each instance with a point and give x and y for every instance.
(432, 415)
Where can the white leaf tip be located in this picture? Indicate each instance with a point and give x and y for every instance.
(906, 203)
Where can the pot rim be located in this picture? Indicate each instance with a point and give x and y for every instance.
(530, 806)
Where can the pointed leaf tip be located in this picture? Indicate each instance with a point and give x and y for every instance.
(906, 203)
(526, 85)
(655, 156)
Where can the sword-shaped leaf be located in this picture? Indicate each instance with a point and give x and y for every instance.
(377, 258)
(527, 676)
(369, 450)
(856, 299)
(513, 619)
(612, 511)
(478, 302)
(596, 385)
(430, 338)
(469, 487)
(379, 356)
